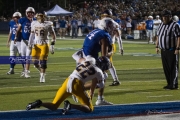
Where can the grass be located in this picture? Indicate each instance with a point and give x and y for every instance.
(139, 70)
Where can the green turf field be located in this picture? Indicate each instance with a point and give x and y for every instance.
(139, 70)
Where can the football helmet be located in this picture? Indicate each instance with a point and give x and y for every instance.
(30, 9)
(103, 63)
(175, 18)
(107, 24)
(17, 14)
(40, 17)
(106, 13)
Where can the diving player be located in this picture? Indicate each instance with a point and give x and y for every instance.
(25, 27)
(88, 69)
(14, 47)
(39, 43)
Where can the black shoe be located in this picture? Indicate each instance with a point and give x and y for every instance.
(35, 104)
(67, 107)
(115, 83)
(171, 87)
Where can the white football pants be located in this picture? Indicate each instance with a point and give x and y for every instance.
(15, 48)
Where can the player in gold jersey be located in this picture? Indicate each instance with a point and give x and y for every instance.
(39, 42)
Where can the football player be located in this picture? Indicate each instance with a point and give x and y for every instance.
(88, 69)
(39, 43)
(25, 27)
(14, 47)
(99, 40)
(117, 35)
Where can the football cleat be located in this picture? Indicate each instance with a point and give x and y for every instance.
(10, 72)
(67, 107)
(26, 74)
(115, 83)
(35, 104)
(75, 98)
(103, 102)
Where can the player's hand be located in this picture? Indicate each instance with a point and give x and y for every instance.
(52, 49)
(29, 46)
(157, 50)
(8, 44)
(176, 52)
(121, 51)
(15, 40)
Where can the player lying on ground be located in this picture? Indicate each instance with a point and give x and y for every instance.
(88, 69)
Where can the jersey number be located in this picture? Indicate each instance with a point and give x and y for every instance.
(85, 70)
(41, 33)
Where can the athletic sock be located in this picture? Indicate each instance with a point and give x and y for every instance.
(113, 73)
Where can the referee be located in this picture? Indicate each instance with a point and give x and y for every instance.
(168, 40)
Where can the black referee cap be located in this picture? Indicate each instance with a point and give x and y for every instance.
(166, 13)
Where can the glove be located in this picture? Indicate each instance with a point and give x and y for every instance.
(52, 49)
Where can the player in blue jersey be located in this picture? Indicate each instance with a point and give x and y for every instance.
(97, 41)
(25, 27)
(149, 28)
(14, 47)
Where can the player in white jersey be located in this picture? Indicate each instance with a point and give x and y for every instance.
(88, 69)
(39, 42)
(157, 22)
(112, 70)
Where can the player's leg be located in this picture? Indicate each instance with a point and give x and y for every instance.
(18, 45)
(12, 54)
(28, 56)
(23, 55)
(112, 71)
(83, 97)
(61, 95)
(43, 61)
(35, 57)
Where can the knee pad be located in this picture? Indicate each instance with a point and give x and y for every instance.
(43, 64)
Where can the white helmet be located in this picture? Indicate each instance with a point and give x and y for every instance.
(30, 9)
(151, 17)
(107, 24)
(17, 14)
(175, 18)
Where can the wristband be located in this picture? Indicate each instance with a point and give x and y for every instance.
(15, 38)
(157, 47)
(177, 48)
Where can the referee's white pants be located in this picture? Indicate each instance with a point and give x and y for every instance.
(15, 48)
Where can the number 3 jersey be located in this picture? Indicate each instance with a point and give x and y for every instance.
(41, 31)
(84, 72)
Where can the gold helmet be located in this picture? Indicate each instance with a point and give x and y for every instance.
(40, 16)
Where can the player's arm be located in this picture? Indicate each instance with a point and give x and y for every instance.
(17, 33)
(53, 34)
(157, 44)
(93, 87)
(9, 38)
(104, 47)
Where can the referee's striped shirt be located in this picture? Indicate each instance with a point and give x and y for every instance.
(168, 34)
